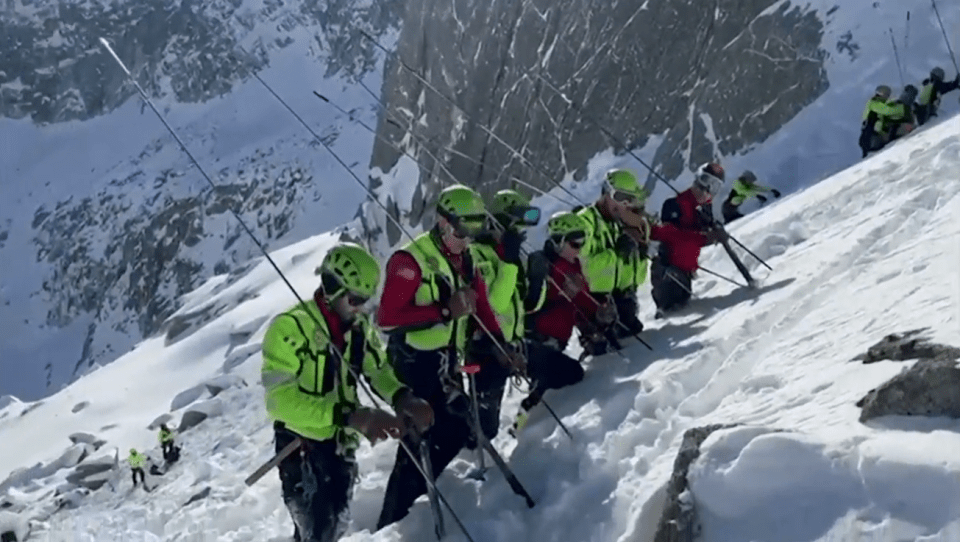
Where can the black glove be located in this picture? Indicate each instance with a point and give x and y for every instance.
(776, 193)
(511, 245)
(626, 245)
(762, 199)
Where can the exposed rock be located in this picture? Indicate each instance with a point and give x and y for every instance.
(202, 494)
(928, 388)
(906, 346)
(218, 384)
(87, 438)
(187, 396)
(71, 499)
(80, 406)
(198, 412)
(642, 68)
(678, 521)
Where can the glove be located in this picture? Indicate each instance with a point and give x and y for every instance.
(537, 264)
(511, 245)
(416, 410)
(626, 245)
(375, 424)
(762, 199)
(776, 193)
(606, 314)
(462, 303)
(511, 358)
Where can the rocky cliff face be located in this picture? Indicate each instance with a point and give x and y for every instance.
(53, 68)
(711, 77)
(112, 259)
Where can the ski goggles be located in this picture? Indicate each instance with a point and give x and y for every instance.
(524, 215)
(575, 240)
(708, 183)
(626, 197)
(468, 225)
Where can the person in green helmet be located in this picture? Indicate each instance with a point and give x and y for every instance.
(311, 356)
(897, 121)
(615, 256)
(432, 295)
(568, 304)
(171, 452)
(137, 461)
(876, 106)
(498, 258)
(744, 187)
(933, 87)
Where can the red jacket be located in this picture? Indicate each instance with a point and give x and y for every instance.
(681, 232)
(403, 278)
(558, 315)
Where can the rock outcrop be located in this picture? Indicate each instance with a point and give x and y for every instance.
(710, 78)
(930, 387)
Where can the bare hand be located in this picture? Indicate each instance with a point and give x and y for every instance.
(375, 424)
(462, 303)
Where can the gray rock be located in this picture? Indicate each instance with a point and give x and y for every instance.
(87, 438)
(198, 412)
(929, 388)
(80, 406)
(906, 346)
(187, 396)
(218, 384)
(682, 69)
(240, 355)
(678, 521)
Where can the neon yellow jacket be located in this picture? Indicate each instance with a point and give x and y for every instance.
(605, 270)
(504, 291)
(165, 436)
(309, 387)
(742, 191)
(136, 460)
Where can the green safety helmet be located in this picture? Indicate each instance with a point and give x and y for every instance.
(625, 181)
(133, 451)
(565, 224)
(463, 208)
(883, 91)
(512, 207)
(348, 266)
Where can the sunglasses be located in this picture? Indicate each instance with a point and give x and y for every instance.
(469, 226)
(576, 243)
(625, 197)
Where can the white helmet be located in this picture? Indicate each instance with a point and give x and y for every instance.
(709, 177)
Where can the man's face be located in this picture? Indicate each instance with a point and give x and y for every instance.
(456, 237)
(348, 305)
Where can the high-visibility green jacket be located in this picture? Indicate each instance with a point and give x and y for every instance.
(504, 281)
(742, 191)
(896, 114)
(605, 270)
(308, 381)
(878, 107)
(137, 460)
(165, 436)
(437, 275)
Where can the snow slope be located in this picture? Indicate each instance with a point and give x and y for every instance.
(870, 251)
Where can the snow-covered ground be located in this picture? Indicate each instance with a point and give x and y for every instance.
(870, 251)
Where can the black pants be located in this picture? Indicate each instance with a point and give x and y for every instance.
(423, 372)
(731, 212)
(317, 484)
(866, 141)
(671, 287)
(627, 309)
(549, 369)
(491, 382)
(166, 448)
(138, 471)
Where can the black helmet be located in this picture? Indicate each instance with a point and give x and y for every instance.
(909, 94)
(748, 176)
(937, 74)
